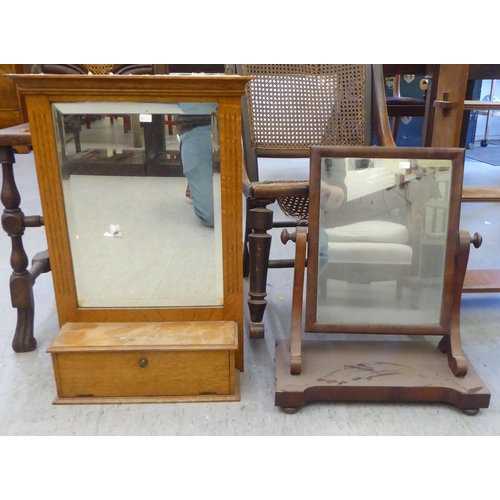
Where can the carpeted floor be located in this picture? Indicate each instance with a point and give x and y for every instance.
(489, 154)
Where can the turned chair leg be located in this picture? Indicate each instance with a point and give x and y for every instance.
(14, 223)
(259, 245)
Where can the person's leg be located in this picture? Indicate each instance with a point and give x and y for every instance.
(196, 155)
(323, 250)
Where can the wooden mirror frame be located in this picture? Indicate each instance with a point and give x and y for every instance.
(41, 91)
(456, 156)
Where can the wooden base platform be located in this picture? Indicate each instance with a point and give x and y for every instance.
(96, 363)
(378, 371)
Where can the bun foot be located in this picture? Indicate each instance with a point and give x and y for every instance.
(470, 411)
(289, 410)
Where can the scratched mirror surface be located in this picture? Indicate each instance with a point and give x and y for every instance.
(138, 236)
(382, 244)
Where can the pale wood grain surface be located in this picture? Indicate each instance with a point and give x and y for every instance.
(123, 336)
(113, 374)
(478, 194)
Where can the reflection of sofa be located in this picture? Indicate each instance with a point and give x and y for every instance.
(369, 236)
(368, 251)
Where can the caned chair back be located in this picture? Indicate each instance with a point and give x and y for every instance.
(99, 69)
(294, 106)
(290, 107)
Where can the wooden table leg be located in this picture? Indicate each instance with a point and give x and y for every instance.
(136, 131)
(21, 281)
(259, 243)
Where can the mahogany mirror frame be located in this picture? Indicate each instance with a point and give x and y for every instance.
(41, 91)
(457, 157)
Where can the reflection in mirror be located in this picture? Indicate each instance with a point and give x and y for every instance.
(382, 242)
(138, 237)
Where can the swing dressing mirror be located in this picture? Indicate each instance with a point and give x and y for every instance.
(384, 256)
(379, 239)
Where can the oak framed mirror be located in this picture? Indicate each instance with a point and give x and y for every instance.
(385, 259)
(127, 241)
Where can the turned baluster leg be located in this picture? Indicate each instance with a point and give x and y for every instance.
(259, 244)
(21, 280)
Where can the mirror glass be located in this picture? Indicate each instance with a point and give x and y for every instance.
(382, 240)
(138, 237)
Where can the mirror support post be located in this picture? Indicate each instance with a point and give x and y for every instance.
(300, 239)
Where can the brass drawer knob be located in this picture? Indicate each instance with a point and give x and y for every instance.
(143, 362)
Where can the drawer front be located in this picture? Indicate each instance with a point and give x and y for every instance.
(146, 373)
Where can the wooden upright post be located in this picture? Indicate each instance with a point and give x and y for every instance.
(448, 105)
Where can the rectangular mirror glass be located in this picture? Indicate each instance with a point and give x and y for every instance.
(137, 239)
(382, 240)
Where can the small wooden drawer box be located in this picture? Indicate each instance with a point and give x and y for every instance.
(97, 363)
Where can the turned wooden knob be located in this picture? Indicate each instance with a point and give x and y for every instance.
(286, 236)
(476, 240)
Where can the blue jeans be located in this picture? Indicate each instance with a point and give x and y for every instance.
(323, 250)
(196, 155)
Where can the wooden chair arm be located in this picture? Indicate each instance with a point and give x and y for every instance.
(379, 105)
(275, 189)
(278, 189)
(247, 184)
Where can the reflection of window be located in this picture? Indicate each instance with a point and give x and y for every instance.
(367, 181)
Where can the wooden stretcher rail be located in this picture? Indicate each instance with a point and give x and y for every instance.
(481, 105)
(482, 281)
(481, 194)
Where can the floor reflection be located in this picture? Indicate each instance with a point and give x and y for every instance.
(163, 256)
